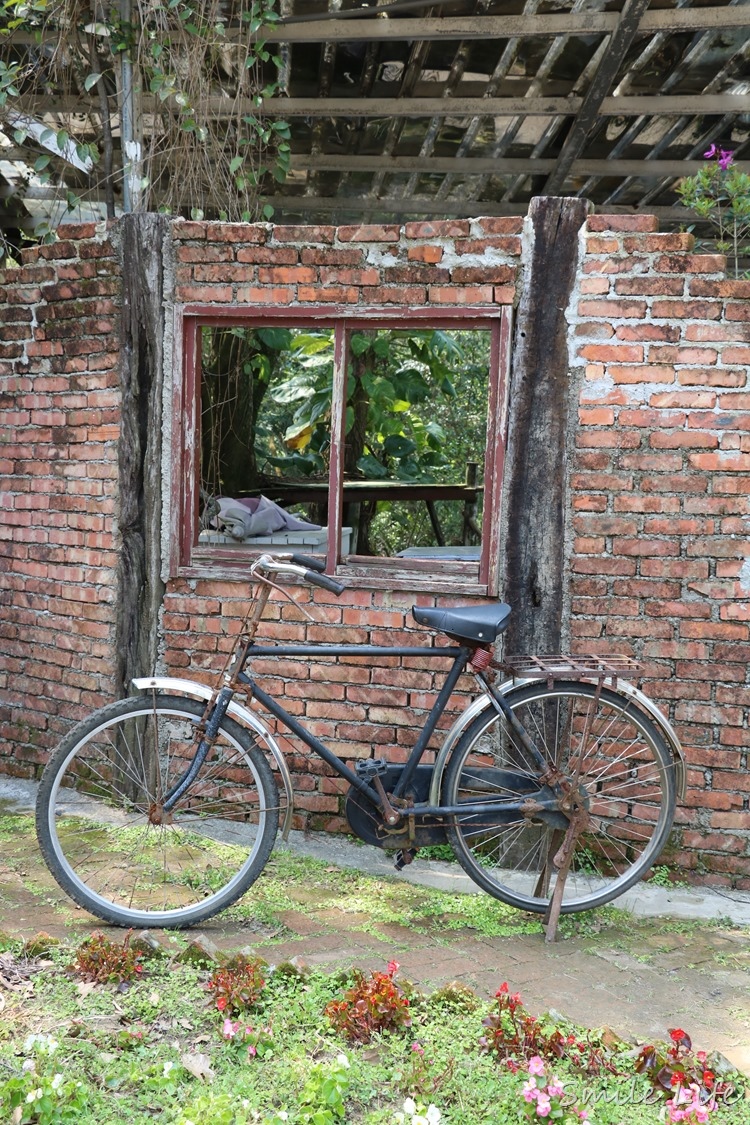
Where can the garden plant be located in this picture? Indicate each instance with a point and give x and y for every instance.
(245, 1042)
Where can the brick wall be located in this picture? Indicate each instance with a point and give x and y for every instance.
(59, 421)
(659, 490)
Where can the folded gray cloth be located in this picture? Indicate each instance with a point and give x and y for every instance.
(256, 516)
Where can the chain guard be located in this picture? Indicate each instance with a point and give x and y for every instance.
(366, 821)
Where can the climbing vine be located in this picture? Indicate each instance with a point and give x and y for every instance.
(191, 76)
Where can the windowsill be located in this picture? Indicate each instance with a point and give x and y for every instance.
(357, 572)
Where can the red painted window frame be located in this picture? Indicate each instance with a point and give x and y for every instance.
(189, 560)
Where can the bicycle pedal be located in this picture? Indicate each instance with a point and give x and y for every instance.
(368, 768)
(404, 858)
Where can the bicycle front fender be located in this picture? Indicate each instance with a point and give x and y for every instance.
(483, 702)
(243, 715)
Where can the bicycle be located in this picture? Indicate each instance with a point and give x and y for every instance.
(555, 788)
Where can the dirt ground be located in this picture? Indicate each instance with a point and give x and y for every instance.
(639, 980)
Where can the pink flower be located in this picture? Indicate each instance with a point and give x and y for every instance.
(711, 152)
(543, 1105)
(536, 1065)
(555, 1088)
(726, 159)
(417, 1048)
(251, 1051)
(229, 1029)
(393, 967)
(530, 1091)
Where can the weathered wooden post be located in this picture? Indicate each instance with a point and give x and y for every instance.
(140, 588)
(542, 405)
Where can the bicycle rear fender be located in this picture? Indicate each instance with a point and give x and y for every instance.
(243, 715)
(483, 702)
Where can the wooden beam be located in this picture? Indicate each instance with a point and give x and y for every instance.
(716, 18)
(695, 105)
(434, 208)
(504, 27)
(600, 84)
(481, 165)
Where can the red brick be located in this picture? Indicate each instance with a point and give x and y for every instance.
(430, 254)
(613, 309)
(692, 310)
(505, 224)
(650, 287)
(612, 353)
(303, 234)
(461, 294)
(369, 233)
(645, 223)
(440, 228)
(659, 243)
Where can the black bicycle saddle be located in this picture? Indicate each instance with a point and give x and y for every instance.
(481, 623)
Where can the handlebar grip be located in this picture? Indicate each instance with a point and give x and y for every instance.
(324, 582)
(310, 562)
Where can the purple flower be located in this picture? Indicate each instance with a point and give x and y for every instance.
(711, 152)
(726, 158)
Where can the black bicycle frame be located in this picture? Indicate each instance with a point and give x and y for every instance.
(461, 656)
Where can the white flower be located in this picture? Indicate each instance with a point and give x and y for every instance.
(167, 1067)
(410, 1107)
(28, 1064)
(57, 1082)
(433, 1115)
(342, 1060)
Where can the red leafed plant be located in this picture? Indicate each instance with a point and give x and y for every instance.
(238, 984)
(102, 960)
(370, 1005)
(515, 1035)
(677, 1065)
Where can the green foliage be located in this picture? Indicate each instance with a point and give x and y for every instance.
(195, 162)
(720, 194)
(102, 960)
(39, 1093)
(371, 1005)
(238, 984)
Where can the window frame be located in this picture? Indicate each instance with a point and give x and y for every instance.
(188, 559)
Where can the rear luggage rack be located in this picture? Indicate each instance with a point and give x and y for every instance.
(567, 667)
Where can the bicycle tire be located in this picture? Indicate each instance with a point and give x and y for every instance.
(95, 815)
(626, 784)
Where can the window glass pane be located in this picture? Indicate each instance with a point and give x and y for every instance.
(416, 429)
(265, 435)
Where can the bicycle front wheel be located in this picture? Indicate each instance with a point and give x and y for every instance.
(107, 840)
(611, 758)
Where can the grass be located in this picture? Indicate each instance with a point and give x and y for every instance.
(133, 1054)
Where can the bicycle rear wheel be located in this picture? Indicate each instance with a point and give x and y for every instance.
(620, 773)
(109, 846)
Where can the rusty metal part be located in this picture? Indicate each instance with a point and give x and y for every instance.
(156, 814)
(563, 666)
(562, 859)
(391, 816)
(481, 660)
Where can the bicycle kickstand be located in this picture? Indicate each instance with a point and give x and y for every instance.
(562, 861)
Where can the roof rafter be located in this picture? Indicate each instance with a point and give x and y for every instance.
(600, 84)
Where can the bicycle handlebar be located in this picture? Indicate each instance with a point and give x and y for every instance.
(325, 582)
(310, 562)
(308, 571)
